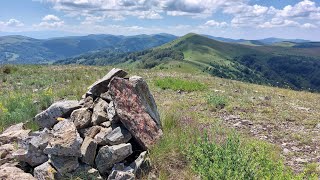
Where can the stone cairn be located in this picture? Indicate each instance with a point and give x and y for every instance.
(105, 135)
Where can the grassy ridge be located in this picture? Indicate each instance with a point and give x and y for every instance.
(185, 151)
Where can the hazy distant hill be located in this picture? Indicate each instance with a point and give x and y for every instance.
(25, 50)
(259, 42)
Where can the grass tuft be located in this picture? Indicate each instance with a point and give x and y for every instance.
(216, 101)
(179, 84)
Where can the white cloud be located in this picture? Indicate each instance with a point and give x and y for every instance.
(308, 26)
(141, 8)
(11, 23)
(216, 24)
(50, 17)
(50, 22)
(301, 9)
(50, 25)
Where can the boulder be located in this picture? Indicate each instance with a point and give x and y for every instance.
(66, 140)
(32, 156)
(14, 173)
(101, 137)
(88, 151)
(81, 118)
(101, 85)
(109, 155)
(90, 131)
(64, 164)
(146, 98)
(48, 118)
(99, 114)
(118, 135)
(46, 172)
(121, 175)
(136, 109)
(14, 133)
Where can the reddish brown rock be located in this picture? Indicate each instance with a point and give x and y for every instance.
(136, 109)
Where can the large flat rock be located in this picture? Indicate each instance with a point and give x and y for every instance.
(136, 109)
(101, 86)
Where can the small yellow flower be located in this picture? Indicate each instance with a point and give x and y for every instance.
(3, 109)
(60, 119)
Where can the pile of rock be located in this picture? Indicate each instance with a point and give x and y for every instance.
(104, 135)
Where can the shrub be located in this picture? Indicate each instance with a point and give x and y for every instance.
(234, 159)
(217, 101)
(178, 84)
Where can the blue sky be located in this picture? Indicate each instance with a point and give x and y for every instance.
(248, 19)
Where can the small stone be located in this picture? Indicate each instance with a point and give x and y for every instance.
(118, 135)
(300, 160)
(109, 155)
(81, 118)
(13, 173)
(112, 115)
(90, 132)
(32, 156)
(106, 96)
(106, 124)
(45, 172)
(64, 164)
(48, 118)
(66, 141)
(85, 172)
(14, 133)
(6, 151)
(286, 151)
(40, 140)
(294, 148)
(140, 166)
(88, 151)
(88, 102)
(121, 175)
(101, 137)
(99, 114)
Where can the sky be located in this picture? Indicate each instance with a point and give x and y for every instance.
(246, 19)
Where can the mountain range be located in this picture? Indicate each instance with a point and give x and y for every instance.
(25, 50)
(277, 62)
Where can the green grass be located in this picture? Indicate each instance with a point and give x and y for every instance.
(27, 90)
(179, 84)
(217, 101)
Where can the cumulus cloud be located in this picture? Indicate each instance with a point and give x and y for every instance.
(11, 23)
(49, 22)
(50, 17)
(216, 24)
(141, 8)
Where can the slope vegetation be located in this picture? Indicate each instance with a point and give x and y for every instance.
(293, 67)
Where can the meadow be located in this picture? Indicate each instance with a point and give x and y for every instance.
(213, 128)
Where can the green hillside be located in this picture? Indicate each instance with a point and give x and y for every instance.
(292, 67)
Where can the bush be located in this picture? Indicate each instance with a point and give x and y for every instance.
(217, 101)
(178, 84)
(234, 159)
